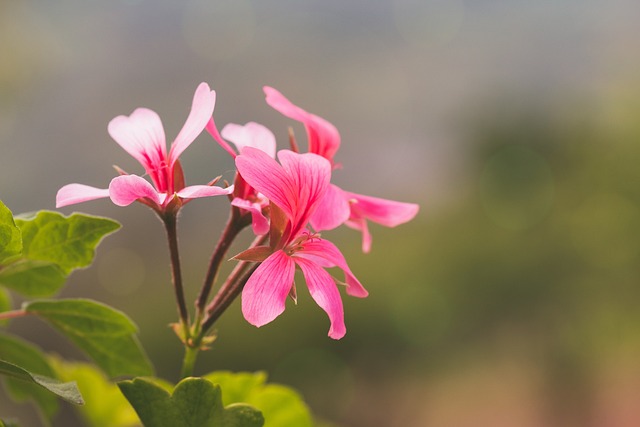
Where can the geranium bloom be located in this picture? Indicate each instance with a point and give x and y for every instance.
(141, 134)
(339, 206)
(295, 187)
(245, 196)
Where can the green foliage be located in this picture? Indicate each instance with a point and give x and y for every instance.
(38, 253)
(194, 402)
(10, 240)
(16, 351)
(36, 256)
(105, 334)
(8, 423)
(34, 279)
(68, 391)
(69, 242)
(105, 405)
(280, 405)
(5, 304)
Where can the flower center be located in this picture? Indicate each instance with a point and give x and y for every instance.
(298, 243)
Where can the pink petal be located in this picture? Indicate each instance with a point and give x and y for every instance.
(265, 175)
(251, 135)
(332, 211)
(324, 138)
(361, 225)
(142, 136)
(204, 101)
(325, 293)
(196, 191)
(310, 174)
(386, 212)
(259, 223)
(213, 131)
(281, 104)
(265, 294)
(126, 189)
(77, 193)
(326, 254)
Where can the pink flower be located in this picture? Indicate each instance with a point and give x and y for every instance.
(324, 138)
(339, 206)
(246, 197)
(295, 188)
(141, 134)
(385, 212)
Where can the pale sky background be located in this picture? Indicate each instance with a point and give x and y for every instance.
(398, 78)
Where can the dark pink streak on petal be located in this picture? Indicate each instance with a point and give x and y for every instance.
(71, 194)
(142, 136)
(310, 175)
(325, 293)
(264, 296)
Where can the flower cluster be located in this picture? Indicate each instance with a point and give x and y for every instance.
(289, 200)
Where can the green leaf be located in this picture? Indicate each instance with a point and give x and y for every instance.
(33, 278)
(105, 405)
(67, 391)
(8, 423)
(194, 402)
(280, 405)
(105, 334)
(69, 242)
(10, 240)
(5, 305)
(17, 351)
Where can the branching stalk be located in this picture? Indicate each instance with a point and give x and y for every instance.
(228, 293)
(233, 227)
(230, 289)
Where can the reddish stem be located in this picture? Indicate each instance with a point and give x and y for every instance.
(13, 314)
(235, 224)
(170, 223)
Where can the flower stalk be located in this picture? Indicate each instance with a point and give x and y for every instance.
(234, 225)
(230, 289)
(170, 223)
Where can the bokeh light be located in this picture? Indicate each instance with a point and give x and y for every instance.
(517, 188)
(121, 271)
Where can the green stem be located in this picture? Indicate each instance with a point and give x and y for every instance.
(189, 361)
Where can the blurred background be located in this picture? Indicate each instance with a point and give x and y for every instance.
(511, 300)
